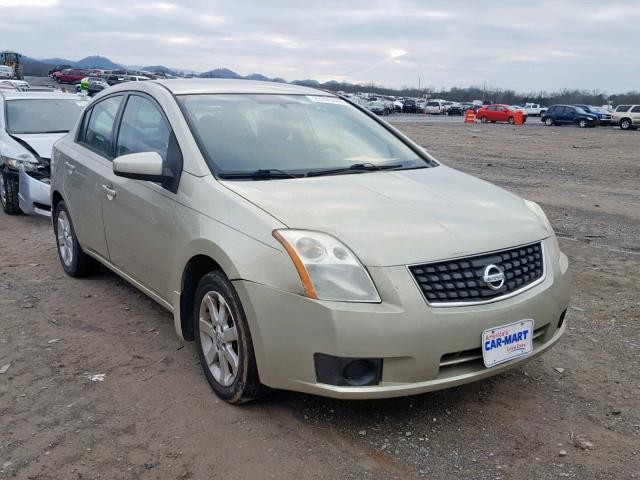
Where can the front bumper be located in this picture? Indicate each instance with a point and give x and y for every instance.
(422, 348)
(34, 195)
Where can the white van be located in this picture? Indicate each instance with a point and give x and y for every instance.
(436, 107)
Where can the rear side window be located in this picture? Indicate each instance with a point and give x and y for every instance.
(636, 109)
(623, 108)
(98, 132)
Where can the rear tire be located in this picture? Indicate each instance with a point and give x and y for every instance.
(625, 124)
(223, 341)
(74, 261)
(9, 194)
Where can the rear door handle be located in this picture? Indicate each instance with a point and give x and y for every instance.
(111, 193)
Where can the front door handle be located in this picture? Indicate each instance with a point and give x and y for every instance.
(70, 166)
(111, 193)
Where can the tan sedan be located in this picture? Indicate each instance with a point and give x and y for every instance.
(303, 243)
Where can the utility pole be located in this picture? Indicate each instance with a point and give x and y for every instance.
(418, 82)
(484, 89)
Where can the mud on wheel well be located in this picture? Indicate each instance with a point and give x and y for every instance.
(196, 268)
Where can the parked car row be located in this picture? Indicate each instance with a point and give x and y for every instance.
(627, 117)
(185, 187)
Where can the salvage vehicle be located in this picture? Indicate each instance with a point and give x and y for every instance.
(58, 68)
(408, 277)
(604, 117)
(409, 106)
(6, 72)
(627, 117)
(569, 114)
(435, 107)
(72, 75)
(534, 109)
(95, 84)
(30, 123)
(499, 113)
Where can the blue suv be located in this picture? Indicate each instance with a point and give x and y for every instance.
(604, 117)
(569, 114)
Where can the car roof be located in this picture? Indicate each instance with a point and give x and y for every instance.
(12, 95)
(215, 85)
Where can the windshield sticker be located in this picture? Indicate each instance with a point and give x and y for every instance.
(321, 99)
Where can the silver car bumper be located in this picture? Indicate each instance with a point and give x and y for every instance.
(34, 195)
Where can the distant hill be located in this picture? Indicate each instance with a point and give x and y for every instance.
(220, 73)
(257, 76)
(96, 61)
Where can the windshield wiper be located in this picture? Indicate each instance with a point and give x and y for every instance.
(262, 174)
(355, 168)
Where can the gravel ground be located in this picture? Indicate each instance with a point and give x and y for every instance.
(573, 413)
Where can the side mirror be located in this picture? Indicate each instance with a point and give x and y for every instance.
(142, 166)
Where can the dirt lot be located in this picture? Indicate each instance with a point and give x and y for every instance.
(153, 416)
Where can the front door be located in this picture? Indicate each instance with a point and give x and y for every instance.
(140, 216)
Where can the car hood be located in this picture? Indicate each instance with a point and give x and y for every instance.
(403, 217)
(41, 143)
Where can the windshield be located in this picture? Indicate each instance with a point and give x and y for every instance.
(42, 115)
(296, 134)
(4, 68)
(580, 110)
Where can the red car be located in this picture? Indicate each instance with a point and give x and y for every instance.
(499, 113)
(71, 75)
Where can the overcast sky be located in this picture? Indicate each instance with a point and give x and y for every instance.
(529, 46)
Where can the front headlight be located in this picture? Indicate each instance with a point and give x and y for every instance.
(327, 268)
(25, 160)
(535, 208)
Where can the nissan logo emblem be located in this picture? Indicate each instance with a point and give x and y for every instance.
(493, 277)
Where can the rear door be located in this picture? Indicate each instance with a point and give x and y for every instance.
(139, 220)
(84, 170)
(635, 114)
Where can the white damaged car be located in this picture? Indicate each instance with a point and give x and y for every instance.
(30, 123)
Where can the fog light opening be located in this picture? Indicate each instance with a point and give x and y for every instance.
(360, 372)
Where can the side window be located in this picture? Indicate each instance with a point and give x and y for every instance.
(636, 109)
(98, 132)
(623, 108)
(492, 108)
(143, 129)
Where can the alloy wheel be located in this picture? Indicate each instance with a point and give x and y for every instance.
(219, 338)
(65, 239)
(625, 124)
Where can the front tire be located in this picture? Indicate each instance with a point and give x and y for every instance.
(583, 123)
(483, 119)
(223, 341)
(625, 124)
(548, 122)
(511, 120)
(74, 261)
(9, 194)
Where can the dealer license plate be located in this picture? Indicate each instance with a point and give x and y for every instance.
(504, 343)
